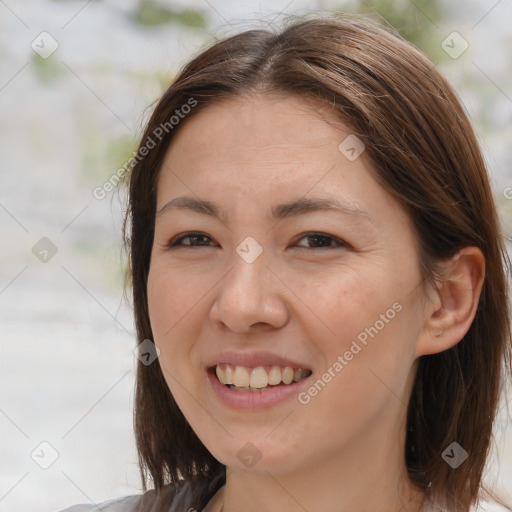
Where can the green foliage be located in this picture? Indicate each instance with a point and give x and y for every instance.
(415, 20)
(120, 150)
(151, 13)
(103, 156)
(47, 70)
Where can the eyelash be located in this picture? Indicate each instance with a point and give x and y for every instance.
(173, 244)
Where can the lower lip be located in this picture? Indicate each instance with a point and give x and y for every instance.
(254, 399)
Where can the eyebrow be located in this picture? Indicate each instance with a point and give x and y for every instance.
(282, 211)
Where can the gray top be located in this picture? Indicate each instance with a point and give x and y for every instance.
(184, 496)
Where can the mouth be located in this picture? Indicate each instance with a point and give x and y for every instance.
(259, 378)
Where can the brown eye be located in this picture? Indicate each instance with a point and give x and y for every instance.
(321, 240)
(194, 240)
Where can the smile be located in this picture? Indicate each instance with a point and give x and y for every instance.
(259, 378)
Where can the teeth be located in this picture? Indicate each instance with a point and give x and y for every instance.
(241, 377)
(287, 375)
(221, 374)
(274, 375)
(258, 378)
(229, 375)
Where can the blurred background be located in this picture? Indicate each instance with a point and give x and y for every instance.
(77, 81)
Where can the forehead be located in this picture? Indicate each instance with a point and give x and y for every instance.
(242, 123)
(284, 134)
(260, 150)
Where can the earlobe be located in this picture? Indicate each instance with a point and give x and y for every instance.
(449, 316)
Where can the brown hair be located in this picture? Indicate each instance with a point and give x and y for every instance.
(424, 152)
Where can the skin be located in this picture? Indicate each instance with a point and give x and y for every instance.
(342, 451)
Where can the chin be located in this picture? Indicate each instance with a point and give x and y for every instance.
(257, 456)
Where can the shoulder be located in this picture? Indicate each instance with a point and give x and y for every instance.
(125, 504)
(174, 497)
(149, 501)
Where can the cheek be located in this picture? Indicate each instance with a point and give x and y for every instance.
(168, 304)
(176, 312)
(345, 305)
(369, 337)
(362, 385)
(374, 370)
(161, 298)
(170, 299)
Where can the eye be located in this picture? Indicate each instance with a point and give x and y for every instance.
(321, 240)
(195, 240)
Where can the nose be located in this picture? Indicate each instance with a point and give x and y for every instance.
(250, 297)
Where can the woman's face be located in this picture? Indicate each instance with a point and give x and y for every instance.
(268, 276)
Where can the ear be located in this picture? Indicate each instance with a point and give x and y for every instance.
(451, 310)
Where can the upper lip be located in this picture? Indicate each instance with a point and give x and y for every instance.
(254, 359)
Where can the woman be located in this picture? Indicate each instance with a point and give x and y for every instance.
(317, 262)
